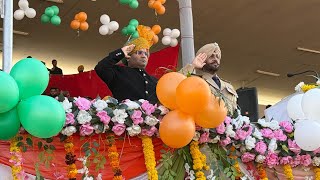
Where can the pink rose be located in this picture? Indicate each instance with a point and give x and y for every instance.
(204, 138)
(296, 161)
(104, 118)
(227, 120)
(286, 160)
(293, 146)
(83, 103)
(69, 118)
(305, 160)
(261, 147)
(247, 157)
(149, 132)
(136, 117)
(272, 159)
(86, 129)
(287, 126)
(148, 108)
(278, 134)
(240, 135)
(225, 142)
(119, 129)
(221, 128)
(267, 133)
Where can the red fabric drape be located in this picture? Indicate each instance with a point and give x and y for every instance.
(88, 84)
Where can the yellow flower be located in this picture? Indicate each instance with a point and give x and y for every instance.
(317, 173)
(307, 87)
(149, 157)
(288, 172)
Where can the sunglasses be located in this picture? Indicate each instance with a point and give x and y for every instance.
(142, 52)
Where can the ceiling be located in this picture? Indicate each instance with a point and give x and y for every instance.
(252, 35)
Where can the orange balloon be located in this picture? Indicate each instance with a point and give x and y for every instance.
(177, 129)
(82, 16)
(193, 95)
(213, 115)
(156, 29)
(161, 10)
(156, 5)
(84, 26)
(162, 1)
(155, 39)
(75, 24)
(150, 3)
(166, 89)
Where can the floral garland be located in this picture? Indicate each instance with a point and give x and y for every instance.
(70, 159)
(84, 170)
(288, 171)
(199, 160)
(16, 160)
(262, 172)
(316, 171)
(149, 157)
(114, 158)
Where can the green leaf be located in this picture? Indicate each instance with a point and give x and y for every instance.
(229, 174)
(49, 140)
(173, 173)
(285, 148)
(88, 152)
(52, 147)
(164, 156)
(95, 144)
(20, 138)
(82, 138)
(39, 145)
(19, 144)
(166, 174)
(86, 145)
(29, 142)
(170, 162)
(166, 165)
(226, 170)
(24, 148)
(41, 156)
(233, 177)
(162, 151)
(45, 147)
(47, 164)
(95, 160)
(94, 150)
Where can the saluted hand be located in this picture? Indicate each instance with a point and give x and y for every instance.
(127, 49)
(199, 61)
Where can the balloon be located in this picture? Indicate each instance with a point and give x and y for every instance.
(82, 16)
(55, 20)
(30, 84)
(166, 89)
(177, 129)
(174, 42)
(30, 13)
(125, 31)
(125, 1)
(75, 24)
(9, 92)
(113, 25)
(150, 3)
(166, 40)
(104, 30)
(9, 124)
(156, 29)
(134, 23)
(23, 4)
(161, 10)
(131, 29)
(212, 115)
(155, 39)
(110, 32)
(41, 116)
(307, 135)
(76, 17)
(294, 108)
(45, 18)
(311, 103)
(156, 5)
(134, 4)
(167, 32)
(175, 33)
(135, 34)
(55, 10)
(193, 95)
(104, 19)
(49, 12)
(84, 26)
(18, 14)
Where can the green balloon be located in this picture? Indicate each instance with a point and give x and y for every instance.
(134, 22)
(31, 76)
(131, 29)
(9, 124)
(135, 34)
(9, 92)
(125, 1)
(55, 20)
(124, 31)
(49, 11)
(41, 116)
(45, 18)
(55, 10)
(134, 4)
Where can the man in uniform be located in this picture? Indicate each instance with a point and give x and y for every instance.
(206, 65)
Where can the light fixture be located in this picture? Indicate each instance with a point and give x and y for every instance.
(308, 50)
(268, 73)
(17, 32)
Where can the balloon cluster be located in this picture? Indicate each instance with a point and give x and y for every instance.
(107, 26)
(189, 106)
(79, 22)
(157, 5)
(134, 4)
(170, 37)
(24, 11)
(51, 15)
(131, 29)
(21, 102)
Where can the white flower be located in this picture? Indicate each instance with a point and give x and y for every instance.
(131, 104)
(273, 145)
(120, 116)
(83, 117)
(151, 120)
(134, 130)
(257, 134)
(215, 140)
(100, 105)
(245, 177)
(88, 178)
(229, 131)
(318, 82)
(196, 136)
(66, 105)
(274, 125)
(239, 121)
(187, 167)
(163, 110)
(211, 175)
(98, 131)
(298, 87)
(260, 158)
(263, 123)
(250, 142)
(245, 119)
(316, 161)
(141, 100)
(243, 149)
(68, 131)
(308, 178)
(99, 177)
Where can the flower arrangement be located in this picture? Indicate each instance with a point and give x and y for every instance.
(16, 160)
(114, 158)
(149, 157)
(70, 158)
(199, 161)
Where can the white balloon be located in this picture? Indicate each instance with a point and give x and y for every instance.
(18, 14)
(311, 104)
(113, 25)
(110, 32)
(30, 13)
(104, 19)
(167, 32)
(307, 135)
(166, 40)
(175, 33)
(294, 107)
(23, 4)
(104, 30)
(174, 42)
